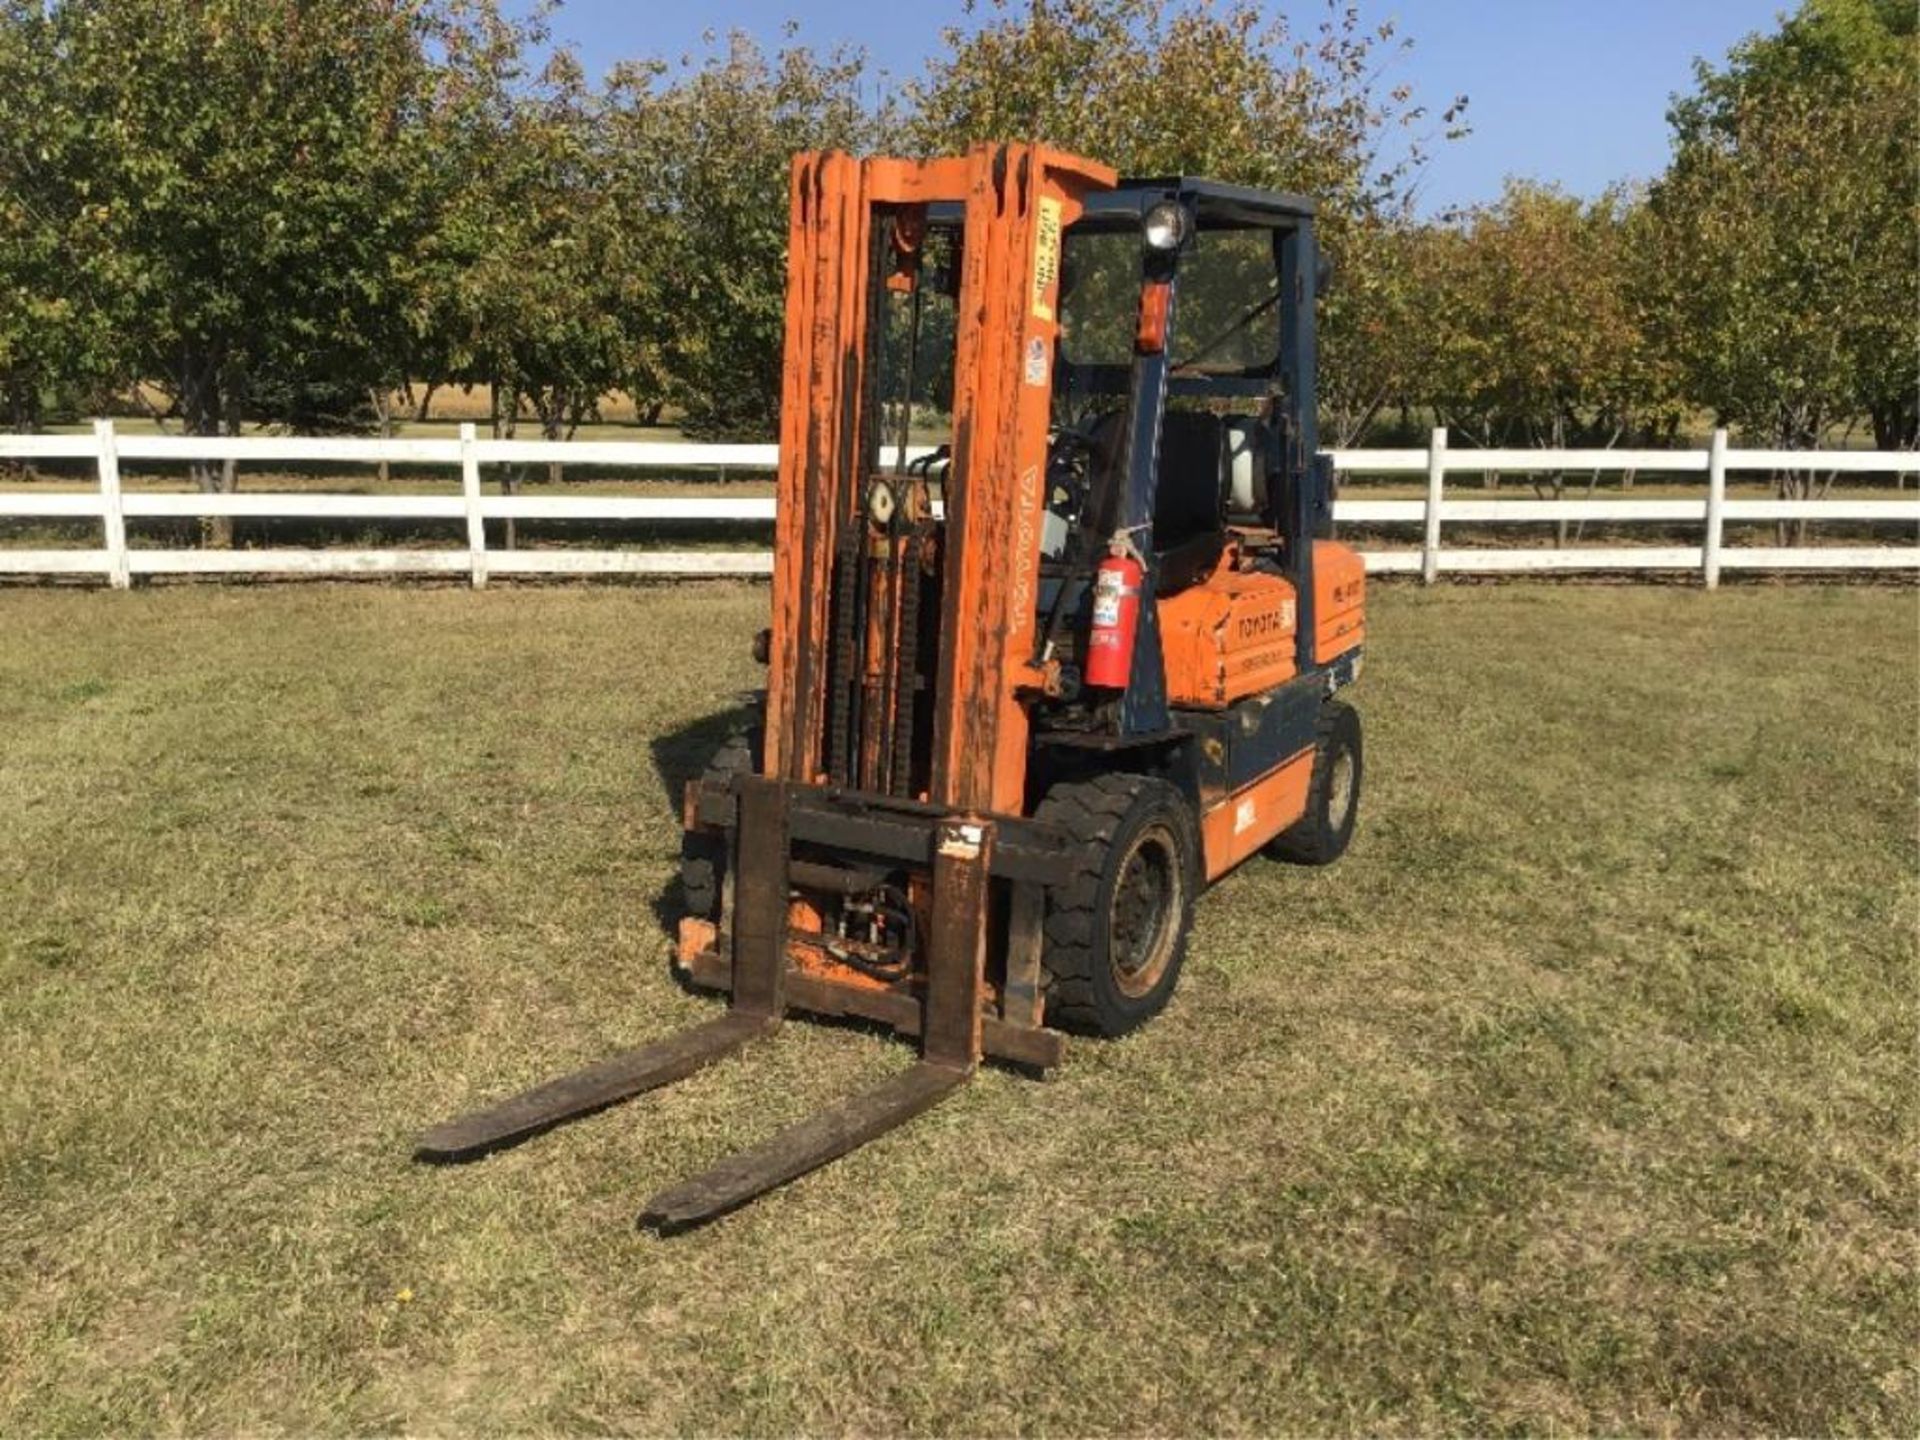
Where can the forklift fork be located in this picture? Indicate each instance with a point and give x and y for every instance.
(618, 1077)
(951, 1028)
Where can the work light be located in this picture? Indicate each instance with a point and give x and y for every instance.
(1165, 226)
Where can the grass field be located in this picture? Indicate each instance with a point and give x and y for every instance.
(1580, 1097)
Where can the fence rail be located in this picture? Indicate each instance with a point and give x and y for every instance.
(118, 561)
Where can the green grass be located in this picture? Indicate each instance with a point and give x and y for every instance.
(1580, 1097)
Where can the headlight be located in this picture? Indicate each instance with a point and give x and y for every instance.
(1165, 227)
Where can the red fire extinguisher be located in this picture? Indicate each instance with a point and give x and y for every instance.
(1116, 614)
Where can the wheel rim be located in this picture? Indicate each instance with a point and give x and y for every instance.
(1143, 919)
(1340, 790)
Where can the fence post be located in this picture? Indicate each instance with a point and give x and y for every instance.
(470, 489)
(113, 517)
(1436, 483)
(1716, 507)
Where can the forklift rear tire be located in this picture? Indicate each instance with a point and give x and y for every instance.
(1322, 835)
(1116, 933)
(703, 853)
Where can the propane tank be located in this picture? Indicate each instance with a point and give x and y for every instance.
(1116, 615)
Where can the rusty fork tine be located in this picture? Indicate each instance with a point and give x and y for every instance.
(802, 1147)
(595, 1088)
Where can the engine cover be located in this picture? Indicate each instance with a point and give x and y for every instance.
(1227, 637)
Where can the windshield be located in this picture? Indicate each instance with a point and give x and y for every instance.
(1099, 296)
(1227, 318)
(1227, 321)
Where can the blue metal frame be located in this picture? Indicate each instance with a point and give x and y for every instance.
(1306, 479)
(1299, 257)
(1143, 705)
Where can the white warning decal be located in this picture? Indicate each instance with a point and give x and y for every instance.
(1245, 816)
(1036, 361)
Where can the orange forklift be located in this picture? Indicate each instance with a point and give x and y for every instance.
(1031, 687)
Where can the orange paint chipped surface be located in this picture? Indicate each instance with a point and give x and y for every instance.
(1339, 600)
(809, 959)
(1020, 198)
(1228, 637)
(697, 936)
(1250, 817)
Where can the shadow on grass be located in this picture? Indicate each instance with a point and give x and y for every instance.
(679, 758)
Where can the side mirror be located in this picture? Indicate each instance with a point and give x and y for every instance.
(1324, 277)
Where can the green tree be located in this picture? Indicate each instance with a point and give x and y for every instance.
(542, 282)
(1229, 91)
(1788, 218)
(703, 155)
(1540, 334)
(52, 346)
(256, 196)
(1534, 326)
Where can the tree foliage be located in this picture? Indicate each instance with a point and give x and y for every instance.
(237, 187)
(547, 278)
(706, 150)
(1232, 91)
(283, 211)
(47, 339)
(1537, 315)
(1787, 225)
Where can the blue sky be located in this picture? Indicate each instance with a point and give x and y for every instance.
(1573, 91)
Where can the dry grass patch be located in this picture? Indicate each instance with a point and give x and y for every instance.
(1580, 1097)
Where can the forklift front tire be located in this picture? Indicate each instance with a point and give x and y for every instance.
(1116, 933)
(1321, 836)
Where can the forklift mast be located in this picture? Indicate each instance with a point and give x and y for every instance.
(853, 693)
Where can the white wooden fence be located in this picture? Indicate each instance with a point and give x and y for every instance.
(111, 507)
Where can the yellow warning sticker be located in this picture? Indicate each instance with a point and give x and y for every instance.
(1046, 255)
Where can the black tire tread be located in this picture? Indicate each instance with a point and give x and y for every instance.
(1092, 812)
(1306, 842)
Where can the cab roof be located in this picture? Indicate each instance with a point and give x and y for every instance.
(1210, 200)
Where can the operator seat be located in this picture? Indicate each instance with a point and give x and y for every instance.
(1212, 468)
(1213, 473)
(1189, 502)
